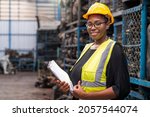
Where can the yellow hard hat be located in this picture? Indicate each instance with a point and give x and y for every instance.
(99, 8)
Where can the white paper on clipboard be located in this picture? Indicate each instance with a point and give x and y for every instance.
(60, 73)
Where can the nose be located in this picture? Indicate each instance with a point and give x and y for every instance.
(93, 27)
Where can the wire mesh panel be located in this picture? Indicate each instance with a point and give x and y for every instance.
(131, 39)
(118, 32)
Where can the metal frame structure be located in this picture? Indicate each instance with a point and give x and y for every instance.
(140, 82)
(116, 25)
(78, 45)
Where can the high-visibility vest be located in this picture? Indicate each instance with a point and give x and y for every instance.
(93, 73)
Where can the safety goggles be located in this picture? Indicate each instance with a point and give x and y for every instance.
(96, 24)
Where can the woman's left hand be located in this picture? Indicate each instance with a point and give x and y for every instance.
(78, 92)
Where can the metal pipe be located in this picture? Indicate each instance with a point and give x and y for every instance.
(143, 40)
(79, 12)
(9, 33)
(115, 33)
(59, 10)
(78, 43)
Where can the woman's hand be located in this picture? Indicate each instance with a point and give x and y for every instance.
(63, 86)
(78, 92)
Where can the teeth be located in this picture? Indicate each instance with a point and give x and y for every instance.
(93, 33)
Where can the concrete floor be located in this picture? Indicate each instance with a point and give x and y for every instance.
(21, 87)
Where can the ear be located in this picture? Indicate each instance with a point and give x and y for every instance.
(107, 27)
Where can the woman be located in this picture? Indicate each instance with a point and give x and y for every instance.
(101, 70)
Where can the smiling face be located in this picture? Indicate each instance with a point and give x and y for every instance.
(97, 26)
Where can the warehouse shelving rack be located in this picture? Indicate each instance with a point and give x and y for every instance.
(47, 12)
(133, 39)
(139, 80)
(73, 43)
(76, 47)
(47, 45)
(47, 48)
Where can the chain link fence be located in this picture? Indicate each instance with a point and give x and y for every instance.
(131, 39)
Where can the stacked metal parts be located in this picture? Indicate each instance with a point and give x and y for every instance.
(21, 61)
(72, 9)
(47, 80)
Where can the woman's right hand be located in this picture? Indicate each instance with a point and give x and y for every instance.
(63, 86)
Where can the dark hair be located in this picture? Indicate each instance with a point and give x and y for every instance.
(105, 18)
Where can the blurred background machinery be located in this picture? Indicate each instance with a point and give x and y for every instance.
(6, 66)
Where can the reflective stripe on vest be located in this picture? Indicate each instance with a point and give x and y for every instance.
(94, 70)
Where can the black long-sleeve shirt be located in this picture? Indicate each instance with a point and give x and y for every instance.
(116, 72)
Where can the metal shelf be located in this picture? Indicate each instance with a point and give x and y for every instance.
(71, 30)
(71, 46)
(78, 46)
(70, 60)
(68, 65)
(117, 13)
(140, 82)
